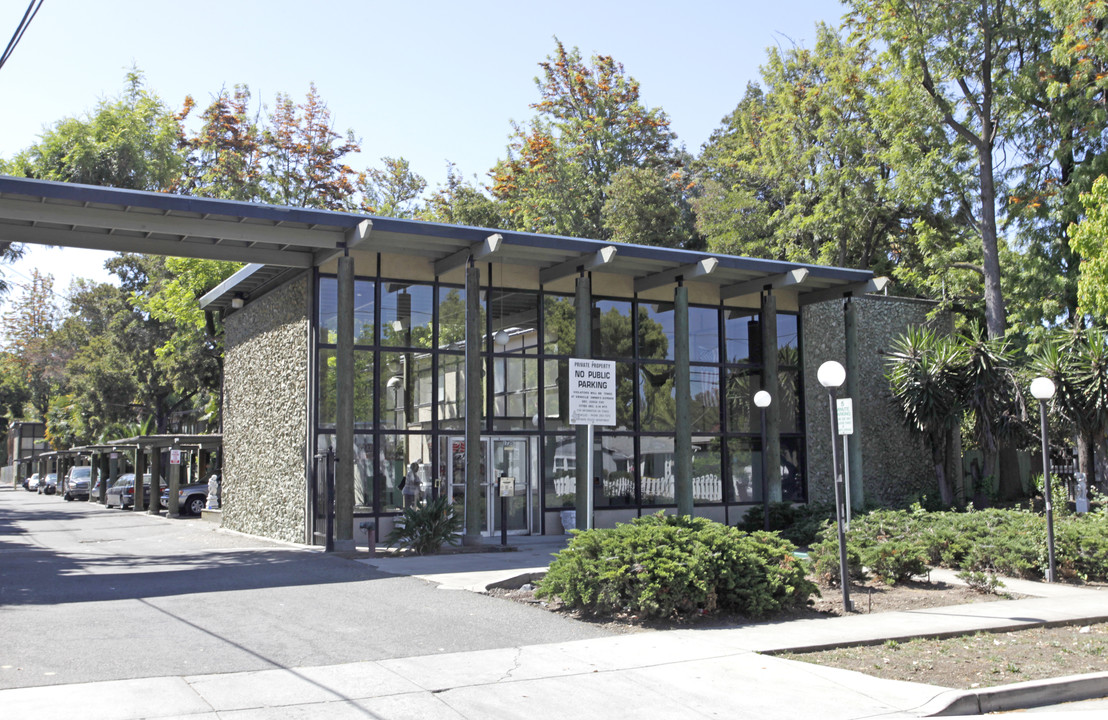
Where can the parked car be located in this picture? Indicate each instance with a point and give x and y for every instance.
(192, 498)
(123, 492)
(76, 483)
(30, 483)
(49, 485)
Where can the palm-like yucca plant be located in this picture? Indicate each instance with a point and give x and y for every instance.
(426, 528)
(925, 383)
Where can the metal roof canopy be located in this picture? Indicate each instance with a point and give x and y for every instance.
(204, 442)
(279, 242)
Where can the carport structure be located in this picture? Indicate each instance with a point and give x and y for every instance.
(149, 450)
(280, 243)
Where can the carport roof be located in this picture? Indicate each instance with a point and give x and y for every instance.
(209, 441)
(276, 241)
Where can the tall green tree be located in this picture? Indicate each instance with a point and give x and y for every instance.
(590, 123)
(131, 141)
(969, 57)
(28, 328)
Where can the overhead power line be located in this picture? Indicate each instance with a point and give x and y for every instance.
(28, 16)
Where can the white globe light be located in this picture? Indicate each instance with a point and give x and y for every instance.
(1042, 388)
(762, 399)
(831, 374)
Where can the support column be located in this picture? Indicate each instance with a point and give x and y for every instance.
(113, 475)
(174, 501)
(103, 471)
(583, 349)
(140, 471)
(154, 502)
(682, 445)
(771, 453)
(853, 442)
(474, 405)
(344, 409)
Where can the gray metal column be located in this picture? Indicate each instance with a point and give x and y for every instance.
(140, 470)
(583, 349)
(103, 470)
(771, 453)
(682, 445)
(474, 405)
(174, 500)
(113, 474)
(154, 502)
(853, 442)
(344, 408)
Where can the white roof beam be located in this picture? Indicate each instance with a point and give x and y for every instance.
(477, 251)
(686, 272)
(581, 263)
(796, 276)
(875, 285)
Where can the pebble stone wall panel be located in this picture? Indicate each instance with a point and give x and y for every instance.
(265, 414)
(896, 466)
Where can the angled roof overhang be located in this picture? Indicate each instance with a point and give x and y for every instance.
(278, 242)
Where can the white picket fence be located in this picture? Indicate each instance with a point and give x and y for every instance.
(706, 488)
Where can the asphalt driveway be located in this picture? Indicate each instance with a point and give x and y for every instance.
(89, 593)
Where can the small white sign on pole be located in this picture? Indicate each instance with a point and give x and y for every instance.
(592, 392)
(844, 408)
(174, 457)
(507, 486)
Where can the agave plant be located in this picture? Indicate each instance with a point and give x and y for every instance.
(925, 382)
(426, 528)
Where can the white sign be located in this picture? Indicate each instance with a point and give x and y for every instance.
(174, 457)
(592, 392)
(845, 411)
(507, 486)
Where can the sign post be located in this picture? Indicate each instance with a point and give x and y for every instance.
(844, 408)
(592, 401)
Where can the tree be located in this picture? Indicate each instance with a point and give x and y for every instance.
(392, 191)
(923, 378)
(1090, 239)
(28, 327)
(968, 56)
(225, 154)
(303, 156)
(129, 142)
(462, 202)
(590, 124)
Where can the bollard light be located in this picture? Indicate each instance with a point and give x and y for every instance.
(1042, 388)
(832, 375)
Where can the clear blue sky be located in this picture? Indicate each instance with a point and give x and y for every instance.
(433, 81)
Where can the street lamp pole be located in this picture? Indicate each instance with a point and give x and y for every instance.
(832, 375)
(1043, 389)
(762, 399)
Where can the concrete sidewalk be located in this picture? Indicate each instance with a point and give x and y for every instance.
(674, 674)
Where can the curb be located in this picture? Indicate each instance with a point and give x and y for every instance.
(1018, 696)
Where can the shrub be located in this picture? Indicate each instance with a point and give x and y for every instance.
(661, 565)
(799, 524)
(824, 558)
(426, 528)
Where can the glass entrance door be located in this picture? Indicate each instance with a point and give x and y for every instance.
(510, 459)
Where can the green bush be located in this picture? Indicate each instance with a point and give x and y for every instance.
(426, 528)
(662, 565)
(823, 556)
(799, 524)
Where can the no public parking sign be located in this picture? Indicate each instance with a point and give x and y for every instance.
(592, 392)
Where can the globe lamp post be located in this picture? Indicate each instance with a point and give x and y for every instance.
(1042, 388)
(832, 375)
(763, 399)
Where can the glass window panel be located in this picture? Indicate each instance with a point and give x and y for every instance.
(703, 334)
(559, 325)
(612, 329)
(397, 453)
(515, 321)
(424, 392)
(794, 486)
(656, 470)
(741, 330)
(406, 314)
(788, 404)
(657, 398)
(745, 469)
(516, 386)
(452, 388)
(559, 476)
(328, 311)
(704, 407)
(363, 472)
(397, 390)
(707, 472)
(742, 413)
(363, 388)
(656, 331)
(614, 471)
(788, 337)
